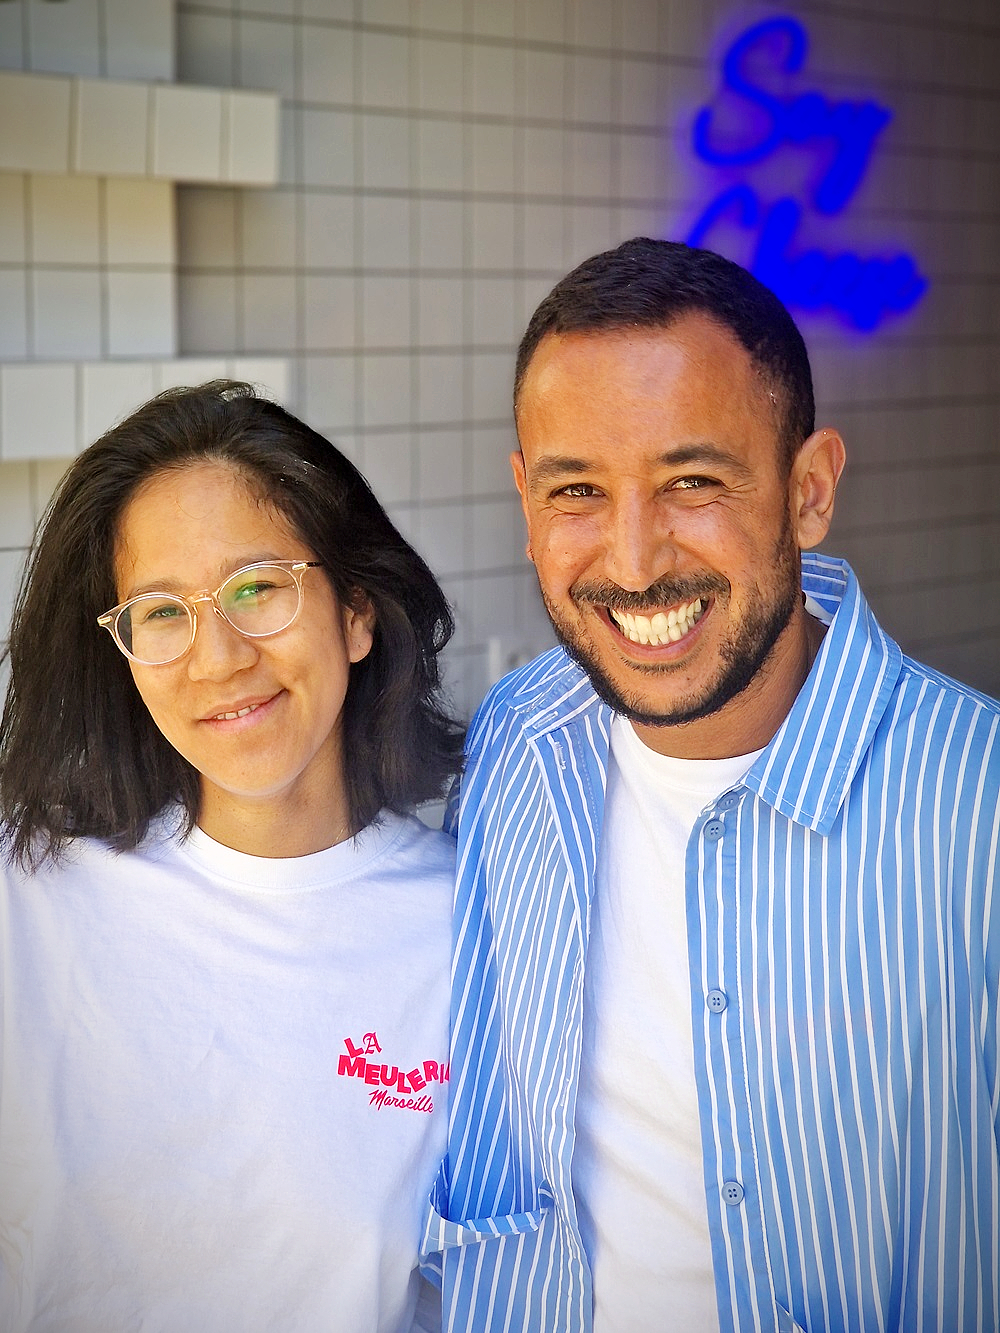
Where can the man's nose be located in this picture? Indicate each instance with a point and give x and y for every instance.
(635, 554)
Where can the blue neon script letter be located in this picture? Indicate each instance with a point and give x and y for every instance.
(767, 121)
(863, 290)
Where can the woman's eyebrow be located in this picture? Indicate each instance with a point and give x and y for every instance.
(223, 572)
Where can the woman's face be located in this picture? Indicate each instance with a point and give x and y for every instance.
(260, 719)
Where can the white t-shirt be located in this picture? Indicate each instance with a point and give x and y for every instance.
(223, 1085)
(637, 1168)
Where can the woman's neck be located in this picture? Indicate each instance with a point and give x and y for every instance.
(275, 827)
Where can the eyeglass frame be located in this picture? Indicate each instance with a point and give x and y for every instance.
(297, 568)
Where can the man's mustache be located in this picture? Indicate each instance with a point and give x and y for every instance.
(664, 592)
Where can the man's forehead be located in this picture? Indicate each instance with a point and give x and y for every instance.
(693, 326)
(658, 397)
(693, 359)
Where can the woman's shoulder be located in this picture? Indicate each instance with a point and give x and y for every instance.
(76, 859)
(406, 840)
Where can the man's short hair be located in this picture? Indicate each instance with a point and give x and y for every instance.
(650, 284)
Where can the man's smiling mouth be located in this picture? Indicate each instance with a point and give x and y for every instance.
(663, 627)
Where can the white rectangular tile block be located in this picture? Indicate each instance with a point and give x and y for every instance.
(38, 417)
(139, 39)
(34, 122)
(250, 138)
(11, 563)
(64, 212)
(142, 318)
(139, 222)
(48, 473)
(111, 128)
(15, 505)
(267, 374)
(12, 219)
(13, 315)
(188, 372)
(12, 37)
(65, 38)
(111, 390)
(67, 312)
(187, 133)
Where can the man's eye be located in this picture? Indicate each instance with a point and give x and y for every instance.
(692, 483)
(580, 490)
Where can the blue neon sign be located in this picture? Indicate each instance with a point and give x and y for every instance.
(747, 124)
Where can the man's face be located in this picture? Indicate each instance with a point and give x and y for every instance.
(665, 530)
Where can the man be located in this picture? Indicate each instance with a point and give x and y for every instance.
(727, 955)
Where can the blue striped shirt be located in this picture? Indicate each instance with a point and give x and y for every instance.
(841, 899)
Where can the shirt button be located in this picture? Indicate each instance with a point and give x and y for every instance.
(729, 802)
(714, 830)
(716, 1001)
(732, 1193)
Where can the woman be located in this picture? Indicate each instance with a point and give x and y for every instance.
(224, 941)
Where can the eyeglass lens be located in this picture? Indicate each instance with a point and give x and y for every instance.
(157, 627)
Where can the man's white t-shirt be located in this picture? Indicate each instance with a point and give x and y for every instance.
(223, 1085)
(637, 1168)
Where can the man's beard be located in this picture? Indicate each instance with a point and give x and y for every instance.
(741, 655)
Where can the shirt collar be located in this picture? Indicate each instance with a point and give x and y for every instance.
(807, 769)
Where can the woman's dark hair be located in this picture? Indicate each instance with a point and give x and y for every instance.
(646, 283)
(79, 753)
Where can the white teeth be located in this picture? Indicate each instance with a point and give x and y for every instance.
(664, 627)
(228, 717)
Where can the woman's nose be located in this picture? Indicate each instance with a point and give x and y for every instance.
(218, 650)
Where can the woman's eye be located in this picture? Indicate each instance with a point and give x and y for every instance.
(246, 592)
(168, 611)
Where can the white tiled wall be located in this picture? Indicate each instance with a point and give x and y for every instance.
(443, 162)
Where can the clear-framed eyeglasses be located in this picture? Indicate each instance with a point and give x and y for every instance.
(261, 599)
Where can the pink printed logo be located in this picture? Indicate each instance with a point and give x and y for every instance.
(392, 1086)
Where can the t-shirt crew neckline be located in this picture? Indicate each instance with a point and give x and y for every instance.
(294, 874)
(699, 777)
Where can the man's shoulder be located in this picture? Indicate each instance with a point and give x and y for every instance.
(939, 699)
(948, 688)
(940, 741)
(949, 706)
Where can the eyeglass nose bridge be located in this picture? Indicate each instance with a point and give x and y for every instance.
(206, 596)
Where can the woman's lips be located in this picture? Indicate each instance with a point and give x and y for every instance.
(239, 710)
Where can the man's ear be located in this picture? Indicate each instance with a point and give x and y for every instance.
(812, 485)
(521, 482)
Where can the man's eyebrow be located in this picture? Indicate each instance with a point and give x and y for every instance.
(701, 452)
(554, 466)
(557, 465)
